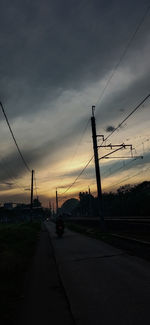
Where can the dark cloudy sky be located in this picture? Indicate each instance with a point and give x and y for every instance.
(56, 58)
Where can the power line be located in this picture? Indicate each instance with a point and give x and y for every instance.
(127, 117)
(119, 125)
(124, 53)
(107, 83)
(15, 141)
(123, 167)
(12, 177)
(106, 174)
(80, 140)
(78, 175)
(129, 177)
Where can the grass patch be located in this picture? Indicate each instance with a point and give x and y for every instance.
(132, 248)
(108, 236)
(91, 232)
(17, 246)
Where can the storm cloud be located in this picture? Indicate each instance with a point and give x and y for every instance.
(55, 61)
(49, 47)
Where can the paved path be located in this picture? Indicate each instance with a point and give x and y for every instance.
(103, 284)
(45, 302)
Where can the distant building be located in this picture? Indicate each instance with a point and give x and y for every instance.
(22, 206)
(8, 205)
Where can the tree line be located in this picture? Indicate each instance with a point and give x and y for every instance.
(128, 200)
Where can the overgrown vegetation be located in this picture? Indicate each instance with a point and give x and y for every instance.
(127, 201)
(17, 246)
(90, 232)
(131, 247)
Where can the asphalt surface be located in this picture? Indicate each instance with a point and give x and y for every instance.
(103, 284)
(44, 300)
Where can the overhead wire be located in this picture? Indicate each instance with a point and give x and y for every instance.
(15, 141)
(111, 76)
(129, 177)
(107, 83)
(119, 125)
(126, 164)
(128, 116)
(10, 177)
(124, 53)
(80, 140)
(105, 175)
(78, 175)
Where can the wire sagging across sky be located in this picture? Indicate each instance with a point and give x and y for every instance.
(15, 141)
(119, 125)
(123, 53)
(140, 23)
(78, 176)
(128, 116)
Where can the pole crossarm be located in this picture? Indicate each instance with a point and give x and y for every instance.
(127, 157)
(100, 136)
(116, 145)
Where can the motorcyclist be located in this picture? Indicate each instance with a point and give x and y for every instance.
(60, 222)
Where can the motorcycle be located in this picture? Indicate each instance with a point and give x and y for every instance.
(59, 230)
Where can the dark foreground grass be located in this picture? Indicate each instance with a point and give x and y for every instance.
(91, 232)
(17, 246)
(132, 248)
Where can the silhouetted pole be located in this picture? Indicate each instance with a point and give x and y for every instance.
(56, 202)
(50, 208)
(31, 202)
(97, 169)
(90, 207)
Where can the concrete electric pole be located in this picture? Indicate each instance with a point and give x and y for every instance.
(31, 200)
(117, 147)
(56, 202)
(53, 210)
(97, 169)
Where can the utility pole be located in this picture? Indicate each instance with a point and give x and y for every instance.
(90, 207)
(97, 169)
(50, 208)
(53, 209)
(106, 156)
(31, 201)
(56, 202)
